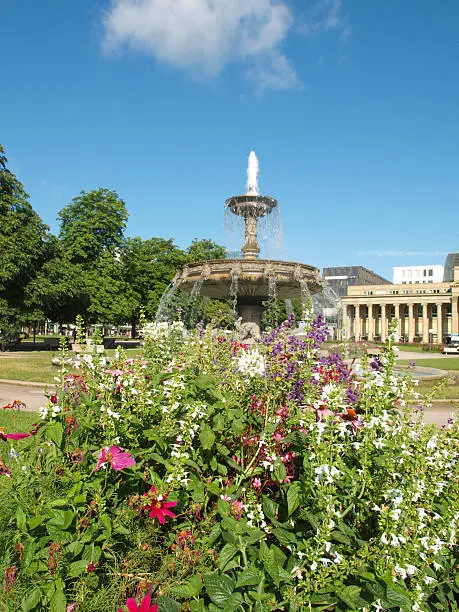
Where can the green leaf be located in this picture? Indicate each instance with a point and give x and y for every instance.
(35, 521)
(283, 536)
(166, 604)
(54, 433)
(270, 508)
(206, 437)
(78, 567)
(269, 562)
(61, 519)
(21, 519)
(205, 381)
(32, 600)
(233, 603)
(106, 524)
(279, 471)
(338, 536)
(249, 577)
(226, 554)
(197, 606)
(396, 597)
(219, 588)
(350, 595)
(58, 602)
(293, 498)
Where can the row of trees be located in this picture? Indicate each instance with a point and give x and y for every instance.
(90, 268)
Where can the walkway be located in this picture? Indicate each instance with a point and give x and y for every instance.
(32, 394)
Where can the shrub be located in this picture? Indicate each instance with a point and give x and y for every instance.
(218, 476)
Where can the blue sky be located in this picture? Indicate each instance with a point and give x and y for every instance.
(352, 107)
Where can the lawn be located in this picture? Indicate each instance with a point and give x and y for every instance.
(36, 367)
(445, 363)
(14, 421)
(415, 348)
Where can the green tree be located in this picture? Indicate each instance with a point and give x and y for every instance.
(25, 244)
(201, 250)
(148, 268)
(93, 224)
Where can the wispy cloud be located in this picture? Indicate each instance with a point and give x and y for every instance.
(203, 36)
(392, 253)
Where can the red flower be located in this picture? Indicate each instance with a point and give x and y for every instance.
(117, 458)
(15, 405)
(158, 506)
(4, 469)
(144, 605)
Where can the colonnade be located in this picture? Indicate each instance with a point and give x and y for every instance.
(426, 321)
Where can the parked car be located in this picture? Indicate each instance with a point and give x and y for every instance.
(449, 349)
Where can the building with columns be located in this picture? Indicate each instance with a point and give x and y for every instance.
(425, 312)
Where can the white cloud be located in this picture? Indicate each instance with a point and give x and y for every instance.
(202, 36)
(390, 253)
(324, 15)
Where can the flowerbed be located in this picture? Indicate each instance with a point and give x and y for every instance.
(209, 475)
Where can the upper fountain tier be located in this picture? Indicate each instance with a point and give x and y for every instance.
(251, 206)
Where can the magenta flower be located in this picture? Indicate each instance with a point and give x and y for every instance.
(117, 458)
(157, 506)
(144, 605)
(13, 436)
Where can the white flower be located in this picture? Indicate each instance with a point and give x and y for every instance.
(43, 411)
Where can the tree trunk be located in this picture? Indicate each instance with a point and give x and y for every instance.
(133, 328)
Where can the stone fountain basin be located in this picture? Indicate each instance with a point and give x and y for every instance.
(218, 278)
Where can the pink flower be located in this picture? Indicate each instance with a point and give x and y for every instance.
(158, 506)
(237, 508)
(144, 606)
(182, 538)
(117, 458)
(70, 607)
(256, 483)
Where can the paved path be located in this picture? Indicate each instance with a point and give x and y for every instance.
(32, 396)
(414, 355)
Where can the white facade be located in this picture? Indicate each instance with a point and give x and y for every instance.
(403, 275)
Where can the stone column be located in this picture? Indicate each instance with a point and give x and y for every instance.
(383, 323)
(358, 323)
(371, 323)
(349, 320)
(425, 323)
(439, 322)
(454, 315)
(411, 330)
(398, 308)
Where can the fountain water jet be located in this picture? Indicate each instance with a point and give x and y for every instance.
(250, 281)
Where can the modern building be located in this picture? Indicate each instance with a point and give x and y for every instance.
(341, 277)
(425, 312)
(404, 275)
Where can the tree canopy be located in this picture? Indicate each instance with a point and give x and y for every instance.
(25, 245)
(92, 224)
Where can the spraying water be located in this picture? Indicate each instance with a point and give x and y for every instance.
(252, 174)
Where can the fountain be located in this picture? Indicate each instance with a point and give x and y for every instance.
(249, 281)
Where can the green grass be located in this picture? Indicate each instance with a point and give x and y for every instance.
(37, 366)
(14, 421)
(445, 363)
(414, 348)
(446, 392)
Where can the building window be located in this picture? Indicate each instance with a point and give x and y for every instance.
(425, 272)
(430, 272)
